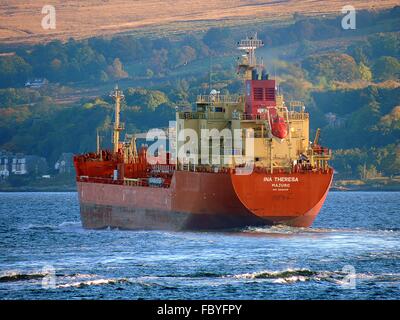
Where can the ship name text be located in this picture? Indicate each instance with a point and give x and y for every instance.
(281, 179)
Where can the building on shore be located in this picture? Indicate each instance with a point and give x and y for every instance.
(65, 164)
(5, 158)
(36, 83)
(20, 164)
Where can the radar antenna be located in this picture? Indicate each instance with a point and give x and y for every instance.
(249, 59)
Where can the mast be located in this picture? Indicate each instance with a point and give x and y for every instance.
(97, 142)
(249, 60)
(118, 96)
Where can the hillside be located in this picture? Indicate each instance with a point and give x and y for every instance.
(349, 81)
(20, 22)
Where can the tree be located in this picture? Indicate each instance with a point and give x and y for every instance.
(391, 121)
(366, 117)
(367, 172)
(150, 99)
(332, 66)
(103, 76)
(385, 44)
(295, 89)
(159, 60)
(365, 72)
(304, 29)
(304, 48)
(218, 39)
(56, 65)
(14, 71)
(387, 68)
(116, 71)
(186, 55)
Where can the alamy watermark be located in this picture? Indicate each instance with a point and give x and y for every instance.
(213, 147)
(49, 20)
(49, 279)
(349, 281)
(349, 20)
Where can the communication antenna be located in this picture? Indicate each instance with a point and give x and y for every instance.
(210, 74)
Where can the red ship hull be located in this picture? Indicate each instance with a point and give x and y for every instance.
(203, 200)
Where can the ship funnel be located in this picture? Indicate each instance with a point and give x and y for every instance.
(264, 75)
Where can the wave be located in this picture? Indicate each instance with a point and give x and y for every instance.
(77, 276)
(153, 281)
(286, 230)
(93, 282)
(70, 224)
(200, 274)
(301, 275)
(203, 274)
(282, 229)
(66, 225)
(38, 227)
(295, 275)
(285, 276)
(12, 276)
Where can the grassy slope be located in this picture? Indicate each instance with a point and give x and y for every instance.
(21, 21)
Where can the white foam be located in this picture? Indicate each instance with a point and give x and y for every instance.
(95, 282)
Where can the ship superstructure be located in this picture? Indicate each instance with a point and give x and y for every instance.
(281, 132)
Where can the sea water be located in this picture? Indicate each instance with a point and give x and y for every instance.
(352, 251)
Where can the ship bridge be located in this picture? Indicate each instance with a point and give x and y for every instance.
(218, 99)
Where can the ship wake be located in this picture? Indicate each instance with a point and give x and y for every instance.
(287, 230)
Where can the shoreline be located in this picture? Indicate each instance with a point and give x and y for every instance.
(32, 189)
(55, 189)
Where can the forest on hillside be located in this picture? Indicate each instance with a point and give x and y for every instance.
(349, 80)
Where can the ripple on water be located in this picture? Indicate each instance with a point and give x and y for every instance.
(45, 229)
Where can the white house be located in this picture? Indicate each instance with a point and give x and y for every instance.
(18, 165)
(4, 167)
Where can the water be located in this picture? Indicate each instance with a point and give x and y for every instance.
(40, 233)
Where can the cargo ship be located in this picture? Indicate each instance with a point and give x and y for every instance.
(254, 164)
